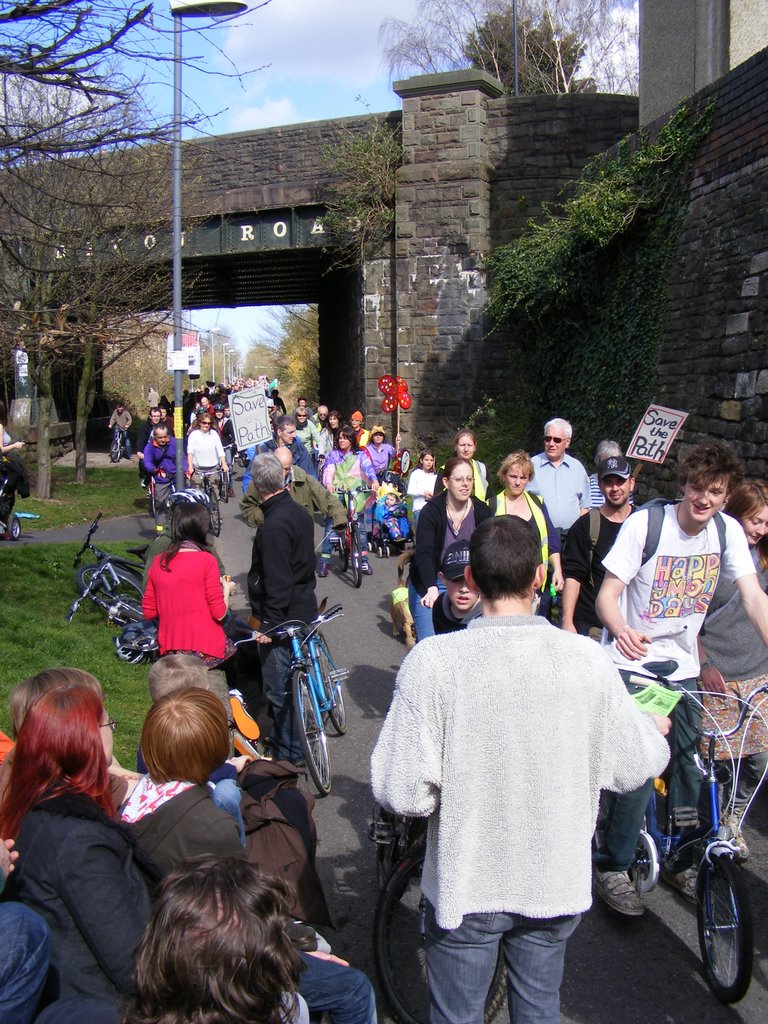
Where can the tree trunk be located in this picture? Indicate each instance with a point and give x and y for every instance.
(44, 408)
(85, 398)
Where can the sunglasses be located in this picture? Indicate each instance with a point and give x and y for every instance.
(555, 440)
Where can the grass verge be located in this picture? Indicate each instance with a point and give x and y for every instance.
(38, 589)
(113, 490)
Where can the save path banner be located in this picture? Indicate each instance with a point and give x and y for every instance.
(655, 434)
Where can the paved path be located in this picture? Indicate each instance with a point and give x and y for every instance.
(618, 971)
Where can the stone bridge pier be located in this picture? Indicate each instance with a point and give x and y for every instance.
(476, 166)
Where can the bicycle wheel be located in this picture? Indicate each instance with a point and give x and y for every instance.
(310, 728)
(644, 870)
(344, 548)
(398, 946)
(224, 487)
(124, 584)
(116, 451)
(333, 691)
(215, 514)
(355, 556)
(725, 928)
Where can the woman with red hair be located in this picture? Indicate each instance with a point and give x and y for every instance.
(78, 867)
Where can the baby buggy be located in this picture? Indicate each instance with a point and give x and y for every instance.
(392, 530)
(13, 481)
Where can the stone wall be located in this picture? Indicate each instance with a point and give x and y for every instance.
(539, 144)
(713, 360)
(476, 166)
(265, 169)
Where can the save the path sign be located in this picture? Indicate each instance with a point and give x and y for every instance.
(250, 417)
(655, 434)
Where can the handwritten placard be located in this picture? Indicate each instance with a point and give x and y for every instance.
(250, 417)
(655, 434)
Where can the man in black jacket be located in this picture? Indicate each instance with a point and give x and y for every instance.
(281, 585)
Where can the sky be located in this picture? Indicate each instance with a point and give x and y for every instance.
(299, 60)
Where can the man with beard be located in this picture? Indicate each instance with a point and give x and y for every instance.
(589, 540)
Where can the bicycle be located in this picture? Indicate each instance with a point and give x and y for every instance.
(316, 691)
(723, 915)
(350, 544)
(152, 492)
(212, 491)
(399, 922)
(113, 583)
(117, 449)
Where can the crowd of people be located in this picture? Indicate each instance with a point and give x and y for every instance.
(548, 577)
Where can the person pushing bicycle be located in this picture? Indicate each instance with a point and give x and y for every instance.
(160, 464)
(660, 577)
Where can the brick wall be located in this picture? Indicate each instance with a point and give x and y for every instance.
(713, 360)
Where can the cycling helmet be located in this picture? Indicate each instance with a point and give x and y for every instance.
(218, 407)
(189, 494)
(138, 642)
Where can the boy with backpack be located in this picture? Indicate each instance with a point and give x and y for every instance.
(660, 577)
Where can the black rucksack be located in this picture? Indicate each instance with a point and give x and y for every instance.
(655, 509)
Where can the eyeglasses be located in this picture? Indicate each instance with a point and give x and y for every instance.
(554, 440)
(204, 423)
(110, 724)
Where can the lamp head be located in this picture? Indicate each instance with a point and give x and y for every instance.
(206, 8)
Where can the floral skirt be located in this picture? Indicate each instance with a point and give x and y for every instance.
(210, 660)
(752, 738)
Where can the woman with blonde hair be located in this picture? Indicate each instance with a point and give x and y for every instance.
(515, 473)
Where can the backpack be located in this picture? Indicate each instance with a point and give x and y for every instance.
(655, 509)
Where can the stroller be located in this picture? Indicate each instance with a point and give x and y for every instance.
(392, 530)
(13, 480)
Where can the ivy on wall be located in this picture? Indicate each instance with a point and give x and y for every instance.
(583, 293)
(361, 197)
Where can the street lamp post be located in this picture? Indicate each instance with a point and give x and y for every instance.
(184, 9)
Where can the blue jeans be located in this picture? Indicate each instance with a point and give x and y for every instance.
(343, 992)
(461, 962)
(626, 811)
(422, 617)
(79, 1010)
(276, 678)
(25, 951)
(227, 795)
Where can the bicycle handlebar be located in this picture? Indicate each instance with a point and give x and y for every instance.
(691, 697)
(295, 627)
(87, 542)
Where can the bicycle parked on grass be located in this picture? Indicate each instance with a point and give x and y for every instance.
(723, 914)
(399, 922)
(113, 583)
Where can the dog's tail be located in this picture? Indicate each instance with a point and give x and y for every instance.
(403, 563)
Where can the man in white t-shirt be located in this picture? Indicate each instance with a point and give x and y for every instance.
(656, 592)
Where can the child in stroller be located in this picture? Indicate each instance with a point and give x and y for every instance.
(13, 480)
(391, 526)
